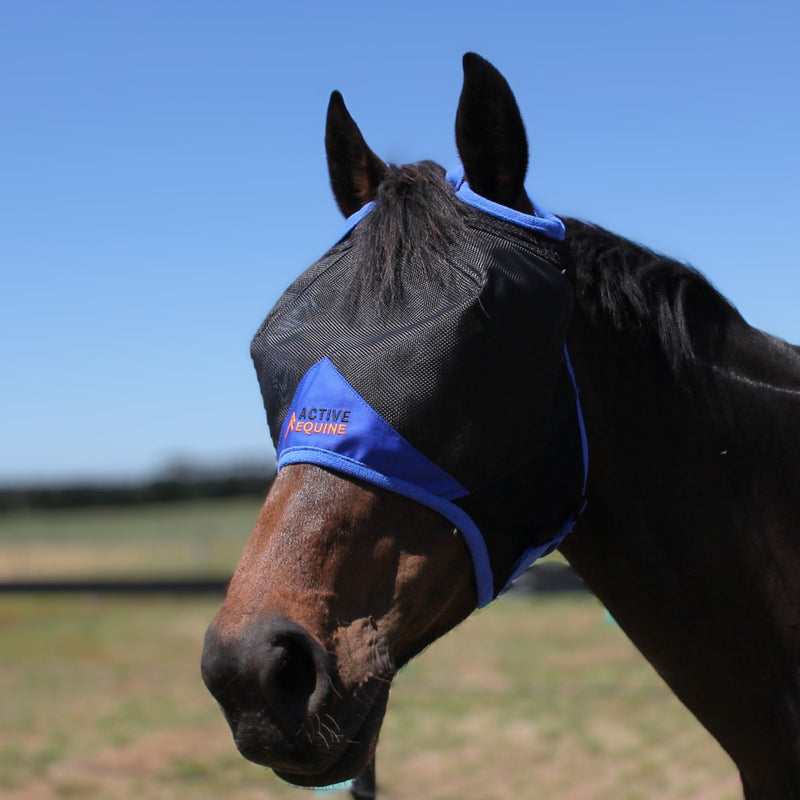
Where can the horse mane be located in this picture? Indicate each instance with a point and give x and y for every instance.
(408, 235)
(663, 301)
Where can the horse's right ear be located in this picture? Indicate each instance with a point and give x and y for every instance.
(490, 134)
(355, 171)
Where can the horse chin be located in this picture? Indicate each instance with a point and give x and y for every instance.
(320, 765)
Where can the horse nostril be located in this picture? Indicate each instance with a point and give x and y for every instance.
(273, 667)
(293, 672)
(289, 674)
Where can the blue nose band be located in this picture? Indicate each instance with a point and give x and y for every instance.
(420, 403)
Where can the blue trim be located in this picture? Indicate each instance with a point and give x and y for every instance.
(535, 553)
(357, 433)
(354, 219)
(540, 221)
(472, 536)
(581, 424)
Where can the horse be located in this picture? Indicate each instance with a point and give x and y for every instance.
(688, 417)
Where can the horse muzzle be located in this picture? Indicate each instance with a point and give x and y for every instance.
(286, 704)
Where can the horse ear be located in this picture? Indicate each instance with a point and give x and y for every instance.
(355, 171)
(490, 134)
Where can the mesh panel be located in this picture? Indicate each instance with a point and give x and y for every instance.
(464, 364)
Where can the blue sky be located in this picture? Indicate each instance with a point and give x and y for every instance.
(163, 179)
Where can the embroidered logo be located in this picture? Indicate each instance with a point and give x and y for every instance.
(315, 420)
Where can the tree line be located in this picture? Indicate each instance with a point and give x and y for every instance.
(182, 486)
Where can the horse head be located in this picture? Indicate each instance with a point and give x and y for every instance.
(422, 405)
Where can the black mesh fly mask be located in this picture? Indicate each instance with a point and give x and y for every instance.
(457, 393)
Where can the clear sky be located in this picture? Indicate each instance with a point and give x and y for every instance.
(162, 180)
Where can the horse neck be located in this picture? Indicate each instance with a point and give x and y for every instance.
(686, 404)
(723, 436)
(690, 533)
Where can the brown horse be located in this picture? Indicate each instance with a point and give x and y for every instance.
(690, 533)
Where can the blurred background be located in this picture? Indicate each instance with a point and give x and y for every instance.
(162, 180)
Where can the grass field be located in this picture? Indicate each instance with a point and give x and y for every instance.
(191, 538)
(532, 698)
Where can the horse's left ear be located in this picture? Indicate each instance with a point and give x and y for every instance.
(355, 171)
(490, 134)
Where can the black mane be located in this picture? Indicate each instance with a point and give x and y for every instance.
(633, 289)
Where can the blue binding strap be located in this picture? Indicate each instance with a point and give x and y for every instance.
(355, 218)
(540, 220)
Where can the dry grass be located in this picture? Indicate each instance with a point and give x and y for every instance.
(101, 698)
(198, 537)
